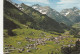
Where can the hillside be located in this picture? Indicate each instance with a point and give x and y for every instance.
(76, 25)
(37, 15)
(32, 18)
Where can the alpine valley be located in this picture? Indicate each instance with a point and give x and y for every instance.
(40, 29)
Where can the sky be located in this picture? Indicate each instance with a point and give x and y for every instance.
(55, 4)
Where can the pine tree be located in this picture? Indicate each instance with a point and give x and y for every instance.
(52, 52)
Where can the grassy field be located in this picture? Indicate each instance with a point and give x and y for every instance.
(50, 46)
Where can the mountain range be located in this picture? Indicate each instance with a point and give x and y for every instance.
(25, 15)
(52, 14)
(44, 18)
(69, 17)
(73, 14)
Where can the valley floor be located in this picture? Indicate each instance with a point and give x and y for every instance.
(31, 41)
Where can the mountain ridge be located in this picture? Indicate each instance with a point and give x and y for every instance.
(34, 21)
(52, 14)
(73, 14)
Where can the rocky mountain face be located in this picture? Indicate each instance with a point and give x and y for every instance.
(73, 14)
(43, 10)
(66, 12)
(52, 14)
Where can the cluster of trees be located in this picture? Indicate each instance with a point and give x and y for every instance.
(75, 32)
(72, 50)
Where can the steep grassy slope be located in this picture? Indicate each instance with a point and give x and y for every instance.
(33, 19)
(41, 17)
(76, 25)
(9, 25)
(15, 13)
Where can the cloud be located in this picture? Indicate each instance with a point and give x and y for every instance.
(63, 4)
(40, 1)
(28, 4)
(66, 1)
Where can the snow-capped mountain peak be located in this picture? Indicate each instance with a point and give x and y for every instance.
(52, 13)
(66, 12)
(43, 10)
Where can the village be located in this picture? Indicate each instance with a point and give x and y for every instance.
(37, 41)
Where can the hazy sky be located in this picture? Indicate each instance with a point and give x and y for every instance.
(55, 4)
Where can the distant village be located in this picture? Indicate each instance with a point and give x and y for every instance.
(38, 41)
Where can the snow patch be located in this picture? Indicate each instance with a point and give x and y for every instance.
(40, 11)
(76, 10)
(34, 7)
(44, 12)
(57, 14)
(67, 13)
